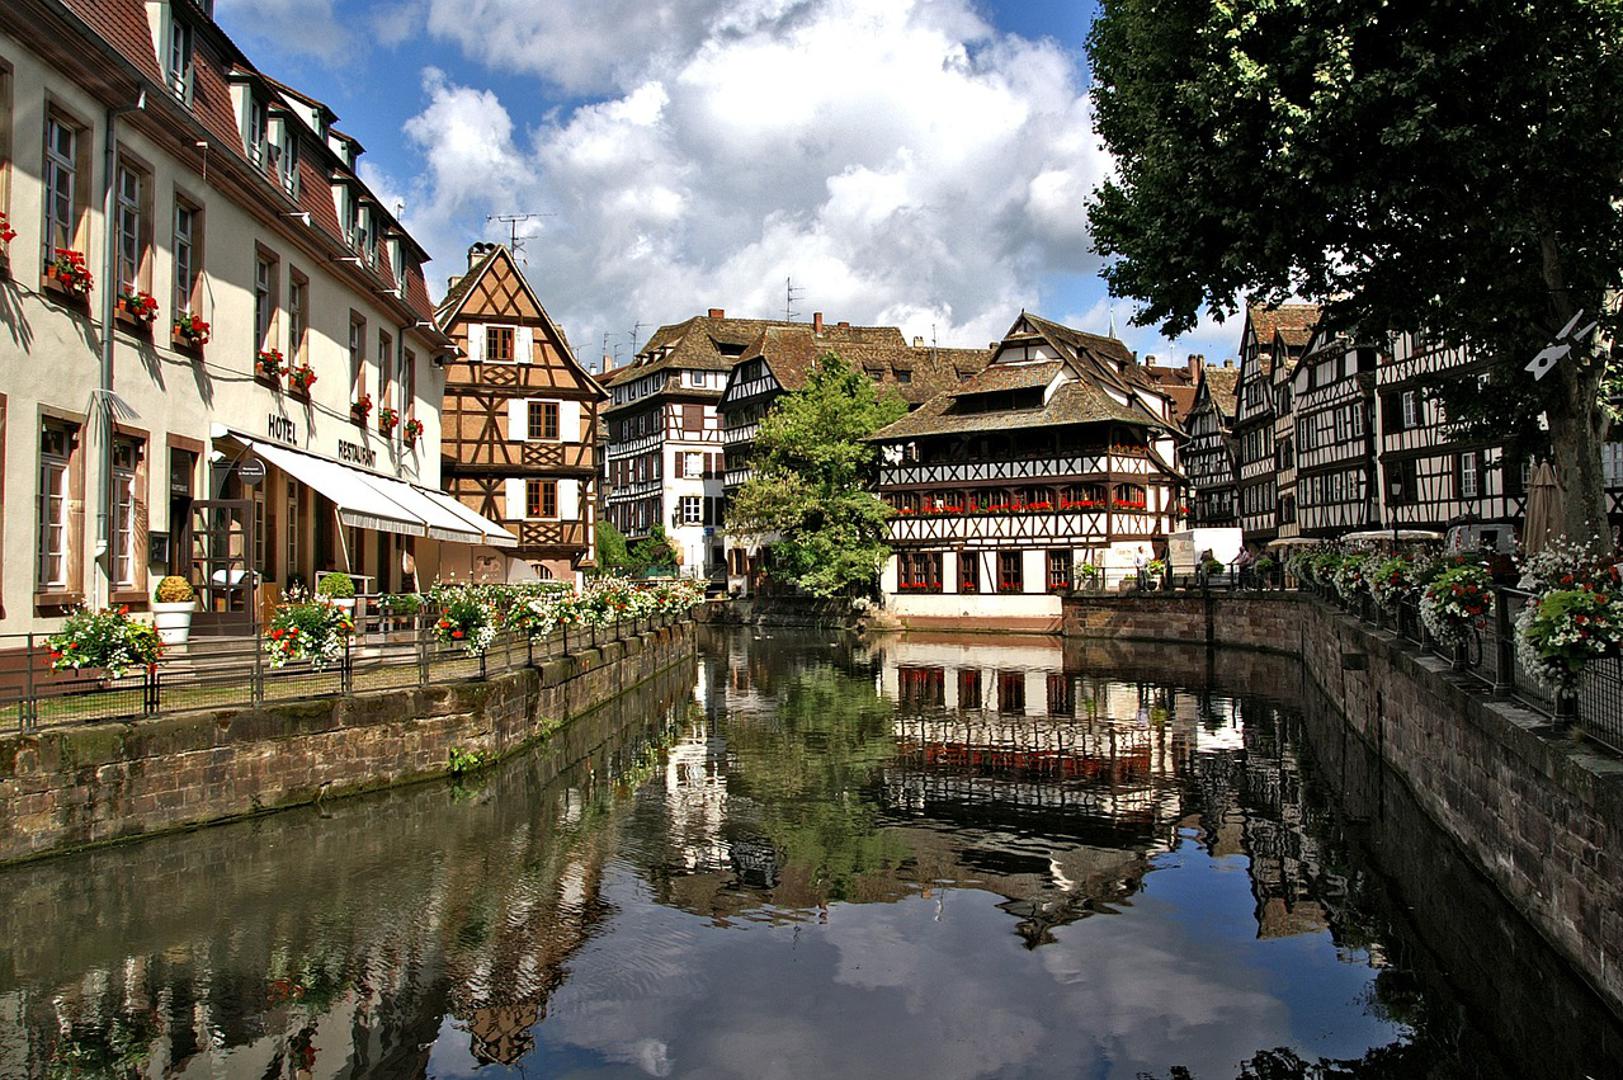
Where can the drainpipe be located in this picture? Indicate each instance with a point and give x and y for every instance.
(109, 271)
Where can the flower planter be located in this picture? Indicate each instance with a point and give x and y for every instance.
(173, 621)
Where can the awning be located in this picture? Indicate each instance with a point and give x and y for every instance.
(369, 501)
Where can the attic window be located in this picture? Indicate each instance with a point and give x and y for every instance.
(179, 71)
(875, 373)
(727, 348)
(1001, 401)
(904, 376)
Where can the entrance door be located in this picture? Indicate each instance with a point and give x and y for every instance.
(222, 566)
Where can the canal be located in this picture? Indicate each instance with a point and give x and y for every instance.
(807, 856)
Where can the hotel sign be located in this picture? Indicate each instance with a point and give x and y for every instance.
(282, 429)
(360, 455)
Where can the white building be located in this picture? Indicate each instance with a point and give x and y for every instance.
(233, 199)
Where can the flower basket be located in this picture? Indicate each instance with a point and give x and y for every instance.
(269, 367)
(301, 378)
(7, 233)
(305, 629)
(141, 307)
(467, 619)
(109, 641)
(1452, 604)
(361, 408)
(412, 432)
(388, 420)
(189, 331)
(1564, 630)
(67, 268)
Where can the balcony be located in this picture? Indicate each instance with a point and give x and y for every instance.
(1063, 466)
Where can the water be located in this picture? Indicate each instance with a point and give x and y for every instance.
(810, 858)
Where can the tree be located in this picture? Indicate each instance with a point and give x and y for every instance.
(612, 555)
(653, 552)
(1435, 165)
(812, 472)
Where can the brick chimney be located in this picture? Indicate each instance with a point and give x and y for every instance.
(478, 251)
(1149, 361)
(1197, 364)
(718, 313)
(843, 325)
(918, 341)
(817, 322)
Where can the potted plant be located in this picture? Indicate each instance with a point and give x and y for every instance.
(412, 432)
(338, 589)
(361, 408)
(400, 608)
(306, 630)
(7, 235)
(467, 619)
(189, 331)
(301, 378)
(388, 420)
(1088, 576)
(268, 366)
(109, 641)
(67, 268)
(141, 307)
(172, 605)
(1452, 604)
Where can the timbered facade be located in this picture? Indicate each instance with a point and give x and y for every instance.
(781, 361)
(1332, 413)
(1057, 454)
(1209, 455)
(1271, 342)
(519, 419)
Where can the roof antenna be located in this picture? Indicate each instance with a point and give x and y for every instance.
(515, 242)
(791, 296)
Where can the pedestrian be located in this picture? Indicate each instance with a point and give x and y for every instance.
(1140, 562)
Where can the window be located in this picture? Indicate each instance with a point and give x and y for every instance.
(298, 317)
(694, 466)
(1470, 474)
(919, 571)
(61, 185)
(691, 509)
(408, 383)
(1010, 575)
(1059, 570)
(180, 60)
(187, 220)
(256, 135)
(292, 527)
(385, 365)
(543, 420)
(969, 572)
(357, 354)
(541, 498)
(55, 450)
(124, 520)
(1061, 695)
(499, 343)
(1409, 406)
(128, 216)
(969, 688)
(1011, 691)
(264, 302)
(287, 164)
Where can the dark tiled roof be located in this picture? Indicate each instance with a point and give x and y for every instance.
(1293, 318)
(1222, 384)
(695, 344)
(1002, 377)
(792, 351)
(1073, 403)
(460, 287)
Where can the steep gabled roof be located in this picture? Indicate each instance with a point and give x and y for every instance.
(1222, 386)
(792, 351)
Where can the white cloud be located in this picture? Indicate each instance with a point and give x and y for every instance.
(320, 32)
(900, 159)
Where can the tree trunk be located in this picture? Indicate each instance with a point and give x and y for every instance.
(1577, 428)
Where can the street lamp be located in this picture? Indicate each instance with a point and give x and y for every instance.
(1394, 489)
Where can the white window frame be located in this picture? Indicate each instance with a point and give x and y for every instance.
(129, 226)
(1409, 404)
(124, 556)
(61, 177)
(182, 59)
(264, 300)
(52, 544)
(256, 139)
(691, 508)
(185, 256)
(1470, 475)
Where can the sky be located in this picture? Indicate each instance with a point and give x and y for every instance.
(922, 163)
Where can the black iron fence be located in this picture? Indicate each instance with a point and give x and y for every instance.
(386, 652)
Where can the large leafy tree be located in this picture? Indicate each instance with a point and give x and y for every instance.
(1451, 166)
(812, 475)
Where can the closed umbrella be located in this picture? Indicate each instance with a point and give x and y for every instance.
(1543, 510)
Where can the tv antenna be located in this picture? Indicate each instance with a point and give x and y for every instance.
(791, 296)
(636, 332)
(515, 242)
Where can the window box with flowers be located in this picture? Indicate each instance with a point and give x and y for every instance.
(388, 420)
(301, 378)
(7, 235)
(361, 408)
(137, 308)
(268, 366)
(189, 332)
(411, 432)
(66, 272)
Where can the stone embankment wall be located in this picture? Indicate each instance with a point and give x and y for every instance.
(1538, 812)
(74, 787)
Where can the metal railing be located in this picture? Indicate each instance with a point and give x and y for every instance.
(1487, 654)
(386, 652)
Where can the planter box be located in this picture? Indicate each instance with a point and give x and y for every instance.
(173, 621)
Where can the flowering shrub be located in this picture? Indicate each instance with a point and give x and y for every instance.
(301, 378)
(1347, 576)
(467, 618)
(1455, 601)
(138, 305)
(1561, 565)
(1565, 629)
(68, 268)
(7, 233)
(1393, 582)
(305, 629)
(268, 365)
(412, 432)
(362, 407)
(190, 329)
(109, 640)
(388, 419)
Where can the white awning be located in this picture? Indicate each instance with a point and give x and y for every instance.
(495, 535)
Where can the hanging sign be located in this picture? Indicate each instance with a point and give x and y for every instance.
(251, 471)
(1558, 350)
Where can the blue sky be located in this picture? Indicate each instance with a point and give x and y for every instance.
(916, 162)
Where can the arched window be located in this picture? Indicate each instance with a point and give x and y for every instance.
(542, 571)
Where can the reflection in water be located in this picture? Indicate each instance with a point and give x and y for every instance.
(803, 858)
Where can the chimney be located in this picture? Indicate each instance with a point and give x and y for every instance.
(1149, 361)
(843, 325)
(1196, 363)
(477, 252)
(718, 313)
(1228, 362)
(918, 342)
(450, 282)
(817, 322)
(608, 365)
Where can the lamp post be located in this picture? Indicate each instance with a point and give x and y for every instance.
(1394, 489)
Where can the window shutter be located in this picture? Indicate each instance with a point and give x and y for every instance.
(518, 419)
(676, 465)
(569, 500)
(515, 498)
(569, 421)
(476, 341)
(523, 344)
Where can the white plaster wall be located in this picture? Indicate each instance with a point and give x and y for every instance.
(990, 606)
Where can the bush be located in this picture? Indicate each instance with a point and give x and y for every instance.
(401, 603)
(336, 586)
(1455, 601)
(109, 640)
(307, 630)
(175, 590)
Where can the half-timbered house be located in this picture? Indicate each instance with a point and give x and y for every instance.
(1270, 343)
(518, 432)
(1208, 458)
(781, 360)
(1331, 407)
(1058, 453)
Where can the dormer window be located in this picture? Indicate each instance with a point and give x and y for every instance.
(256, 134)
(179, 71)
(287, 160)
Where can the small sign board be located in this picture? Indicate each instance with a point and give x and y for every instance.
(251, 471)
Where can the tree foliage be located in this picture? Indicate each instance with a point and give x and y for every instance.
(1453, 167)
(653, 552)
(811, 480)
(613, 557)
